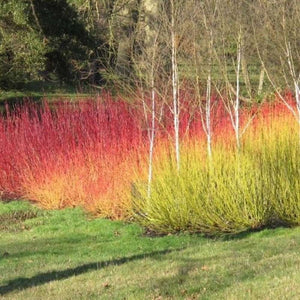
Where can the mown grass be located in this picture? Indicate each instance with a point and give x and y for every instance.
(67, 255)
(38, 90)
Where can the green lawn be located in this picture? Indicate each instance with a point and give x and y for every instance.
(38, 90)
(67, 255)
(13, 97)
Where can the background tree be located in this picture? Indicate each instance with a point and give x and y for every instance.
(96, 42)
(22, 50)
(278, 48)
(204, 26)
(147, 72)
(235, 53)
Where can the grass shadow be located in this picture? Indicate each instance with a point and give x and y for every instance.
(39, 279)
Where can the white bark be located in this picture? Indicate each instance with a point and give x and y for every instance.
(237, 99)
(296, 79)
(175, 91)
(151, 138)
(206, 14)
(207, 115)
(288, 56)
(152, 125)
(261, 81)
(297, 92)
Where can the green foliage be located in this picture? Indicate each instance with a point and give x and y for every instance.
(21, 47)
(42, 40)
(67, 41)
(109, 42)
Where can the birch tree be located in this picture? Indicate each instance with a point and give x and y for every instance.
(149, 86)
(203, 45)
(175, 18)
(232, 63)
(278, 48)
(175, 81)
(149, 72)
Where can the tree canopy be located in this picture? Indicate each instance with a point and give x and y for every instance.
(107, 41)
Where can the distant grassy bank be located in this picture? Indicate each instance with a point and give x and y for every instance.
(44, 90)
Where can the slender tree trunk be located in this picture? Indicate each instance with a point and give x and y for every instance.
(175, 85)
(151, 137)
(111, 37)
(296, 78)
(297, 95)
(246, 75)
(237, 99)
(207, 115)
(208, 97)
(261, 81)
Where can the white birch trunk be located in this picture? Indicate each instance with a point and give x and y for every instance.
(175, 91)
(261, 81)
(237, 99)
(152, 125)
(297, 95)
(296, 80)
(207, 116)
(151, 138)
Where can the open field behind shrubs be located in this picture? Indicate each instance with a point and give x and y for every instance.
(94, 154)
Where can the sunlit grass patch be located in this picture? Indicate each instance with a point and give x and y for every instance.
(67, 254)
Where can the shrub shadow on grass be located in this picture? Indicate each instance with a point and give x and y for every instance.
(226, 267)
(271, 229)
(39, 279)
